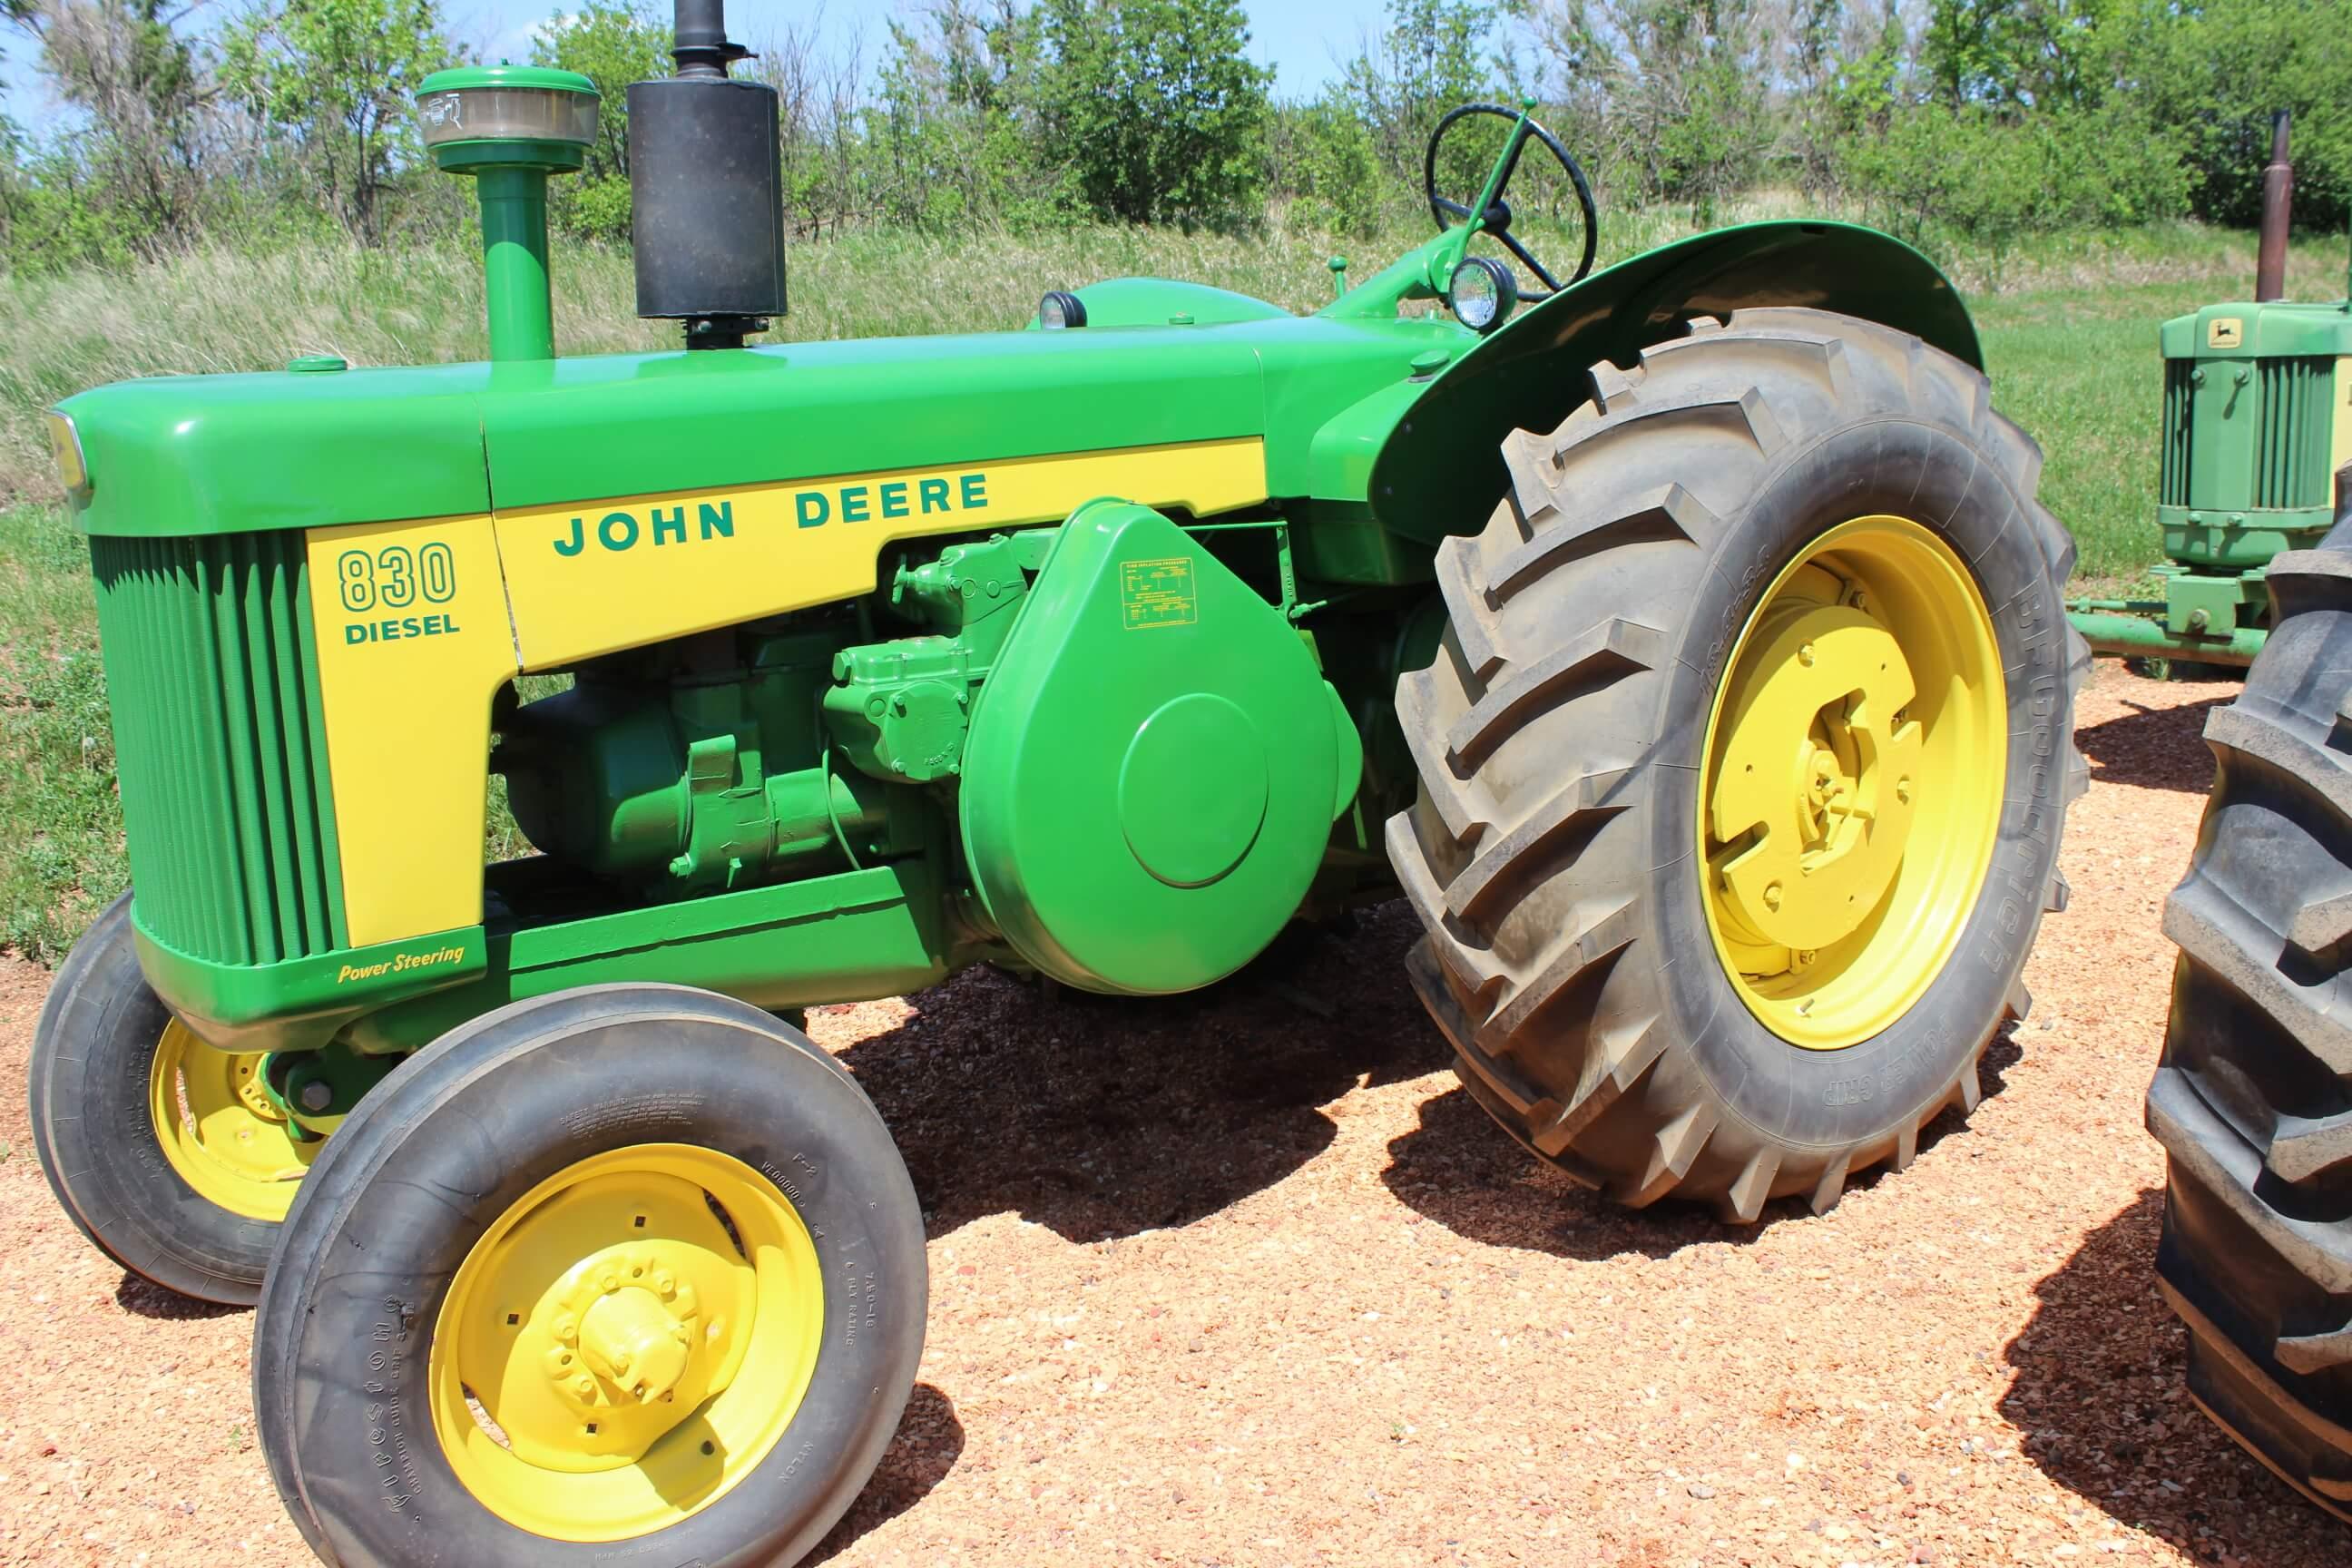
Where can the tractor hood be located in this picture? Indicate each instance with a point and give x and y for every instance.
(195, 454)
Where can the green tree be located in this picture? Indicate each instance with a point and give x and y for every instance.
(340, 77)
(148, 130)
(1686, 115)
(1155, 107)
(956, 137)
(611, 43)
(1323, 154)
(1432, 56)
(2209, 73)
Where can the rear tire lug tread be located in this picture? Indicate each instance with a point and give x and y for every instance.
(2230, 943)
(1467, 608)
(1669, 514)
(1501, 864)
(1608, 653)
(2257, 1253)
(1558, 1093)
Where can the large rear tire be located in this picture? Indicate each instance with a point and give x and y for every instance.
(1743, 764)
(2253, 1100)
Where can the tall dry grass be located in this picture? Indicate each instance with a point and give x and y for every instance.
(225, 309)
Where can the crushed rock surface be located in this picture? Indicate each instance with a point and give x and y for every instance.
(1245, 1279)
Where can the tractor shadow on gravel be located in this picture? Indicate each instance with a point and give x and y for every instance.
(144, 1298)
(1102, 1117)
(925, 1446)
(1460, 1170)
(2154, 748)
(2099, 1397)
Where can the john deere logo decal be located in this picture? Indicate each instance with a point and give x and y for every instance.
(585, 576)
(885, 499)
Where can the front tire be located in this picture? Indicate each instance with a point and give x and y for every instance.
(166, 1153)
(1743, 764)
(628, 1271)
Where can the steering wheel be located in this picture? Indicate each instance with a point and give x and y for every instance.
(1498, 216)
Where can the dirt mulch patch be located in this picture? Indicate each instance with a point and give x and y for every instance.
(1245, 1279)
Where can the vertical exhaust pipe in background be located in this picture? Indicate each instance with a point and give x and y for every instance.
(2278, 193)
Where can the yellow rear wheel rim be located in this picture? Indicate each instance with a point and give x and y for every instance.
(1856, 762)
(220, 1129)
(626, 1343)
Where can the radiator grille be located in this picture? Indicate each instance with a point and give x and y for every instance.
(2291, 454)
(219, 746)
(2172, 486)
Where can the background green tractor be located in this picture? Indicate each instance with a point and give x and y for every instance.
(2257, 416)
(1687, 646)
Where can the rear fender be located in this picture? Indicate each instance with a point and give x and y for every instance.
(1441, 472)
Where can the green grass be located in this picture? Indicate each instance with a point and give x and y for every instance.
(59, 816)
(2070, 332)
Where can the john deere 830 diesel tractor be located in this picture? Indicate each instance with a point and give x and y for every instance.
(1687, 645)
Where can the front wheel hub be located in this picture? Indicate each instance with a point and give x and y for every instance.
(627, 1342)
(219, 1128)
(630, 1337)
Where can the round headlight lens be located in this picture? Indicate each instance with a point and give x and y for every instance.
(1061, 309)
(1481, 293)
(65, 446)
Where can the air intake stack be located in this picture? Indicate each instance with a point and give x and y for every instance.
(508, 128)
(706, 178)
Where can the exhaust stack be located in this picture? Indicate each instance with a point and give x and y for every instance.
(707, 180)
(2278, 192)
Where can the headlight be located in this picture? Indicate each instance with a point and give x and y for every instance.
(1061, 309)
(1482, 293)
(65, 446)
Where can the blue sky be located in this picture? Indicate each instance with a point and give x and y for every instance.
(1299, 37)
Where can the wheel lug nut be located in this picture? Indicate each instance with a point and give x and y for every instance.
(585, 1386)
(609, 1283)
(1903, 789)
(1772, 895)
(317, 1095)
(1805, 655)
(665, 1284)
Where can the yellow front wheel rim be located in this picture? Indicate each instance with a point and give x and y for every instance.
(220, 1129)
(1856, 758)
(626, 1343)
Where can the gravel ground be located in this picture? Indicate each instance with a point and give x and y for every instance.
(1245, 1279)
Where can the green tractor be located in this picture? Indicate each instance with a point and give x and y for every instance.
(1684, 640)
(2257, 418)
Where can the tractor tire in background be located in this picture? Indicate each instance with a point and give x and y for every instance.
(1743, 764)
(168, 1155)
(2252, 1102)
